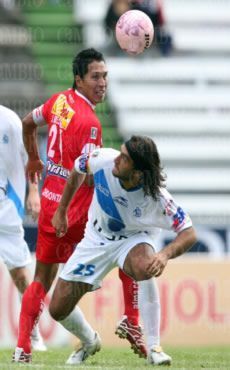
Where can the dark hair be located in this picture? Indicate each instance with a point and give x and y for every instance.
(143, 151)
(82, 60)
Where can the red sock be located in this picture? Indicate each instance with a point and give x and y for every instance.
(31, 308)
(130, 291)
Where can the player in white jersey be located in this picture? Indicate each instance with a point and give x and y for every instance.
(13, 248)
(129, 205)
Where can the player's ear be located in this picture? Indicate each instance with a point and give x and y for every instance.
(78, 81)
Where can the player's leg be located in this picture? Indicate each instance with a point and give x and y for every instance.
(128, 327)
(50, 251)
(14, 250)
(20, 277)
(136, 265)
(130, 293)
(32, 307)
(62, 308)
(149, 305)
(82, 273)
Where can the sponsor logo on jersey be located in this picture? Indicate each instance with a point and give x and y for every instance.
(5, 139)
(179, 218)
(51, 195)
(57, 170)
(102, 189)
(93, 133)
(96, 153)
(63, 111)
(121, 200)
(137, 212)
(83, 163)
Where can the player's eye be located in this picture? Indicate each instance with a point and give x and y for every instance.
(124, 157)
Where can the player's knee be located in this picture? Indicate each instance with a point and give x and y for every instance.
(140, 270)
(137, 261)
(142, 274)
(56, 312)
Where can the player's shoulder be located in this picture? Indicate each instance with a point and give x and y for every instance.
(60, 95)
(164, 194)
(104, 153)
(102, 158)
(164, 197)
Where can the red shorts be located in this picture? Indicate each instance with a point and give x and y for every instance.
(51, 249)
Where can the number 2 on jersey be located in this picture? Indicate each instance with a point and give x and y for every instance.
(53, 133)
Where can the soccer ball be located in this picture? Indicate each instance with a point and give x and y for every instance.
(134, 32)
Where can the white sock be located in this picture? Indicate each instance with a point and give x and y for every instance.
(76, 324)
(36, 333)
(149, 306)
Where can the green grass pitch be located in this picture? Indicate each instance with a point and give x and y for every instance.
(123, 359)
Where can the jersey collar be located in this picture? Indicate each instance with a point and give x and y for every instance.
(87, 100)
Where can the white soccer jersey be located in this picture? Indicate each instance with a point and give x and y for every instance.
(12, 158)
(116, 213)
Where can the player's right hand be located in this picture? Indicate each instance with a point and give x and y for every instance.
(34, 170)
(60, 223)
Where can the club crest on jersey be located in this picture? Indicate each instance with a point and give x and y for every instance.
(137, 212)
(93, 134)
(5, 139)
(121, 200)
(63, 111)
(95, 153)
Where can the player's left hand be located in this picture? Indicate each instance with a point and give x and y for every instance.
(157, 265)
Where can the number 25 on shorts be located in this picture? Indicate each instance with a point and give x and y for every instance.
(84, 270)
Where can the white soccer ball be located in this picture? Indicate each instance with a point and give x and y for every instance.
(134, 32)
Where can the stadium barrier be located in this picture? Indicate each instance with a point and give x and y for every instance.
(195, 300)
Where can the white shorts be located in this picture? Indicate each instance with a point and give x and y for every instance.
(13, 249)
(92, 260)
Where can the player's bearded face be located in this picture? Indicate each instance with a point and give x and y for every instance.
(94, 84)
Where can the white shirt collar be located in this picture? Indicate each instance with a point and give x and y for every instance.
(93, 106)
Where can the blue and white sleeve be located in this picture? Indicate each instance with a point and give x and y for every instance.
(87, 163)
(173, 217)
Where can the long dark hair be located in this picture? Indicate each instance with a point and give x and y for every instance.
(143, 151)
(82, 60)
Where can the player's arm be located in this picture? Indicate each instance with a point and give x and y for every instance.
(83, 165)
(33, 200)
(34, 165)
(183, 242)
(172, 217)
(59, 220)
